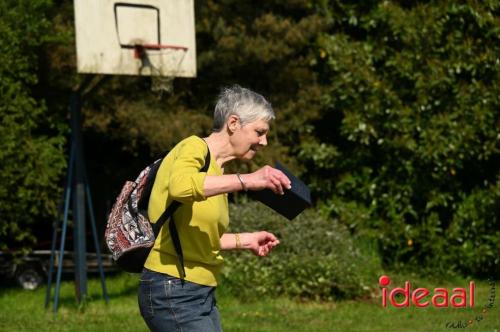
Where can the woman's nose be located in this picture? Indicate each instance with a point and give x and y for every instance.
(263, 140)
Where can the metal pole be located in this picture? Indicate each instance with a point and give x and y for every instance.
(79, 241)
(96, 243)
(66, 198)
(51, 264)
(63, 232)
(100, 81)
(77, 189)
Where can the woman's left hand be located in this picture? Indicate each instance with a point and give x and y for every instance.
(260, 243)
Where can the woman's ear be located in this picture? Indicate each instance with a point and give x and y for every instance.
(233, 123)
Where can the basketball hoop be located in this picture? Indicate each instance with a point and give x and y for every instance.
(110, 32)
(160, 81)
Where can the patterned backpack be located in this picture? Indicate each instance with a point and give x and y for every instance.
(129, 233)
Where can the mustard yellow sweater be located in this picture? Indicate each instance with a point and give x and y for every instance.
(200, 221)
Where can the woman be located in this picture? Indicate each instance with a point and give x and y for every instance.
(167, 302)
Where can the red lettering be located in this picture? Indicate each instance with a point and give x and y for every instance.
(384, 297)
(384, 281)
(443, 296)
(405, 291)
(472, 287)
(416, 297)
(459, 293)
(439, 298)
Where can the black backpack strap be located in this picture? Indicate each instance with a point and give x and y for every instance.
(142, 205)
(168, 214)
(164, 217)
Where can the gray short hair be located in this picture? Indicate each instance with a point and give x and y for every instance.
(244, 103)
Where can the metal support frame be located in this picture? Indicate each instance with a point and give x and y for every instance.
(77, 188)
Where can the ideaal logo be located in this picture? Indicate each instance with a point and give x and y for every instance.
(439, 297)
(422, 297)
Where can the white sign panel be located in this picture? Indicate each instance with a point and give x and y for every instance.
(136, 37)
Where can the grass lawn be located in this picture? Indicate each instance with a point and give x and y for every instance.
(24, 311)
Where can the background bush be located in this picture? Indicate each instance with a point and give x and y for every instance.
(316, 258)
(406, 150)
(32, 156)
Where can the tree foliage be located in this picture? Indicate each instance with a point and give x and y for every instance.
(407, 146)
(31, 148)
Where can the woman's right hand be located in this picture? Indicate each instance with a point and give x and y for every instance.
(267, 178)
(260, 243)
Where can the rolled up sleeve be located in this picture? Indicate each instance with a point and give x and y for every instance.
(186, 182)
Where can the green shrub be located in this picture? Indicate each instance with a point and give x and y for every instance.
(316, 258)
(474, 234)
(31, 146)
(406, 149)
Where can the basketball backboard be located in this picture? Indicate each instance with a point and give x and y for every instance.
(136, 37)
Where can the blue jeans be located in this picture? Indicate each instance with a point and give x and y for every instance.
(171, 304)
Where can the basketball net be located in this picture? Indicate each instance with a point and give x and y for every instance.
(160, 82)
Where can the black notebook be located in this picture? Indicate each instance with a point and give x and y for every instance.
(292, 203)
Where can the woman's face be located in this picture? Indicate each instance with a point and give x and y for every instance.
(250, 138)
